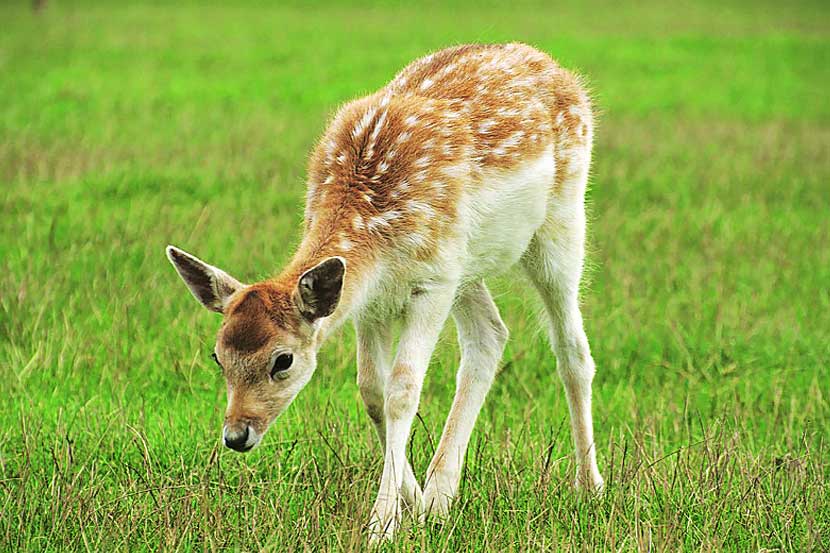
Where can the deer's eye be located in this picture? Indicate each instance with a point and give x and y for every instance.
(281, 363)
(216, 359)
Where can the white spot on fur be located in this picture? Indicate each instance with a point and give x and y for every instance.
(330, 146)
(414, 240)
(512, 141)
(485, 126)
(422, 161)
(447, 69)
(426, 84)
(361, 126)
(456, 170)
(421, 208)
(577, 110)
(378, 126)
(411, 120)
(382, 220)
(357, 222)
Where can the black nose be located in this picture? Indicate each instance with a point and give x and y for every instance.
(237, 439)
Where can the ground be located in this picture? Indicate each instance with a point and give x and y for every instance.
(707, 300)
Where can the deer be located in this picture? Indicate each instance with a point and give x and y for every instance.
(472, 160)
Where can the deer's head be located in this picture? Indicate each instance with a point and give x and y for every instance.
(267, 344)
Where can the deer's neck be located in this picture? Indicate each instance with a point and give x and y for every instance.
(322, 241)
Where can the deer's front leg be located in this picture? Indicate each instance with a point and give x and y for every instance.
(374, 359)
(423, 321)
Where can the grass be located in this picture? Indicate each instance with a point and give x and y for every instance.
(707, 302)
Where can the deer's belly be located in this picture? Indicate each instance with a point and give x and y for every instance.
(503, 212)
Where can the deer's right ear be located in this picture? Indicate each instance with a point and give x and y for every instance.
(211, 286)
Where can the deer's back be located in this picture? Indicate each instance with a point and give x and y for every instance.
(405, 164)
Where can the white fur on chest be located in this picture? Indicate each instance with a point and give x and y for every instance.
(503, 212)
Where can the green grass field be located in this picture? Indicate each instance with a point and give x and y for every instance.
(707, 301)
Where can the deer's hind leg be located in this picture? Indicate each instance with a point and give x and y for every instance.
(481, 337)
(554, 262)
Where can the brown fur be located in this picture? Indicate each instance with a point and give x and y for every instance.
(389, 170)
(253, 319)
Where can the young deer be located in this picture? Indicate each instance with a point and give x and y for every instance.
(472, 159)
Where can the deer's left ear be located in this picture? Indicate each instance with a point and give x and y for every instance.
(319, 288)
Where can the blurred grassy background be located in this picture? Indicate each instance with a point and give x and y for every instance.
(125, 128)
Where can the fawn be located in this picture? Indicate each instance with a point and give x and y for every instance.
(469, 161)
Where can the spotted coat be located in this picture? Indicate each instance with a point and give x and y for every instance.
(391, 166)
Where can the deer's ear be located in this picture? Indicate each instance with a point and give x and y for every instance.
(318, 290)
(211, 286)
